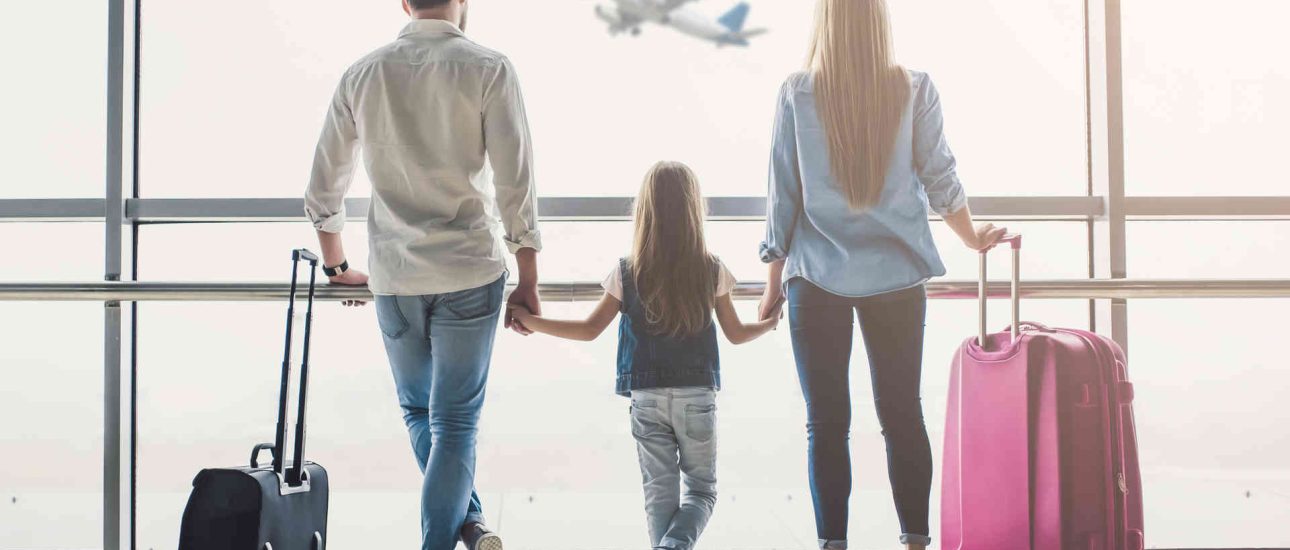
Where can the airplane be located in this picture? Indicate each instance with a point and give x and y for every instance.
(629, 15)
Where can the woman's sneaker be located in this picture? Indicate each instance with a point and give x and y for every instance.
(478, 537)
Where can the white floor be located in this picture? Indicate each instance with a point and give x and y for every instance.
(1201, 510)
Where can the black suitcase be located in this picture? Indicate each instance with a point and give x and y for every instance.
(277, 507)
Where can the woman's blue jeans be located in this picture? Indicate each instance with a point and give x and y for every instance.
(892, 325)
(440, 348)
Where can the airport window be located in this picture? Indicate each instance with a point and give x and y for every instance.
(52, 142)
(1210, 249)
(52, 428)
(1219, 383)
(1203, 116)
(79, 246)
(603, 108)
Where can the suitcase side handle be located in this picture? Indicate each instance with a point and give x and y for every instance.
(983, 289)
(255, 453)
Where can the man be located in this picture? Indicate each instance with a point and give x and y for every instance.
(427, 110)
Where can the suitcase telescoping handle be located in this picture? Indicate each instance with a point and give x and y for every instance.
(293, 477)
(983, 289)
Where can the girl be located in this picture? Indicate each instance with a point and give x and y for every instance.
(667, 291)
(859, 156)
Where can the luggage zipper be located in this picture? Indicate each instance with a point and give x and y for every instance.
(1121, 481)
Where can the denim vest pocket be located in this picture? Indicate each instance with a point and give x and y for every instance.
(390, 317)
(700, 422)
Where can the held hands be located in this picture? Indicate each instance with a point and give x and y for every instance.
(523, 303)
(519, 314)
(986, 237)
(776, 316)
(771, 305)
(352, 277)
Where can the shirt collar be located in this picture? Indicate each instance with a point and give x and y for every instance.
(430, 26)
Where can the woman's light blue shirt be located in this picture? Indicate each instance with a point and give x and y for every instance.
(858, 253)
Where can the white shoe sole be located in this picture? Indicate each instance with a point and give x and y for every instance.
(489, 542)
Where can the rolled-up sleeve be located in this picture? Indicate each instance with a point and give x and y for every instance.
(510, 152)
(784, 193)
(333, 169)
(933, 159)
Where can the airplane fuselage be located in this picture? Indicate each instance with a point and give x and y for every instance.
(691, 23)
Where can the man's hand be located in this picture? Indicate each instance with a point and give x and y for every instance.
(333, 252)
(524, 297)
(526, 294)
(353, 277)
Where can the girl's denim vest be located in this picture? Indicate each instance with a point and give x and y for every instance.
(647, 360)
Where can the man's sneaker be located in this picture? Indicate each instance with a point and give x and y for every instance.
(478, 537)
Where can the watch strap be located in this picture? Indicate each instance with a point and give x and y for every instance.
(336, 271)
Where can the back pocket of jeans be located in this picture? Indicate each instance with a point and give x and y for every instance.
(475, 303)
(700, 421)
(390, 317)
(642, 413)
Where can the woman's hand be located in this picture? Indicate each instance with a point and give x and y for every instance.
(772, 303)
(985, 236)
(978, 237)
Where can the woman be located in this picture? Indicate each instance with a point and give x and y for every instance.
(859, 156)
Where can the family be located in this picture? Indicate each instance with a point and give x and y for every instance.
(859, 157)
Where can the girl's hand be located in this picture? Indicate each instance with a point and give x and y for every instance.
(986, 236)
(519, 312)
(776, 314)
(774, 320)
(772, 303)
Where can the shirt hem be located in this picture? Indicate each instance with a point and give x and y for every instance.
(826, 288)
(433, 289)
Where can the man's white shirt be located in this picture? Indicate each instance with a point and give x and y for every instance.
(431, 112)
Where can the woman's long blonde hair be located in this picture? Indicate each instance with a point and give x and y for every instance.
(670, 262)
(860, 92)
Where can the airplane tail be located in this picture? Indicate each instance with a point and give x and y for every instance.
(735, 18)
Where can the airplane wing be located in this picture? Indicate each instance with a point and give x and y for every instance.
(751, 33)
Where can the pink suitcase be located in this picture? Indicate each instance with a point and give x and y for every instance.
(1040, 448)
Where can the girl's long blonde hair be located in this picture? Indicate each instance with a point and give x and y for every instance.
(670, 262)
(860, 92)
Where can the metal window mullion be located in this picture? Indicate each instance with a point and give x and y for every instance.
(132, 465)
(1106, 156)
(113, 215)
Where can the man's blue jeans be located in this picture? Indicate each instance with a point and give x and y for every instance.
(439, 348)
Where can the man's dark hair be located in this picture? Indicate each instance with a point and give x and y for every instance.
(426, 4)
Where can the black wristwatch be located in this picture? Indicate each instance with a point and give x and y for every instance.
(336, 271)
